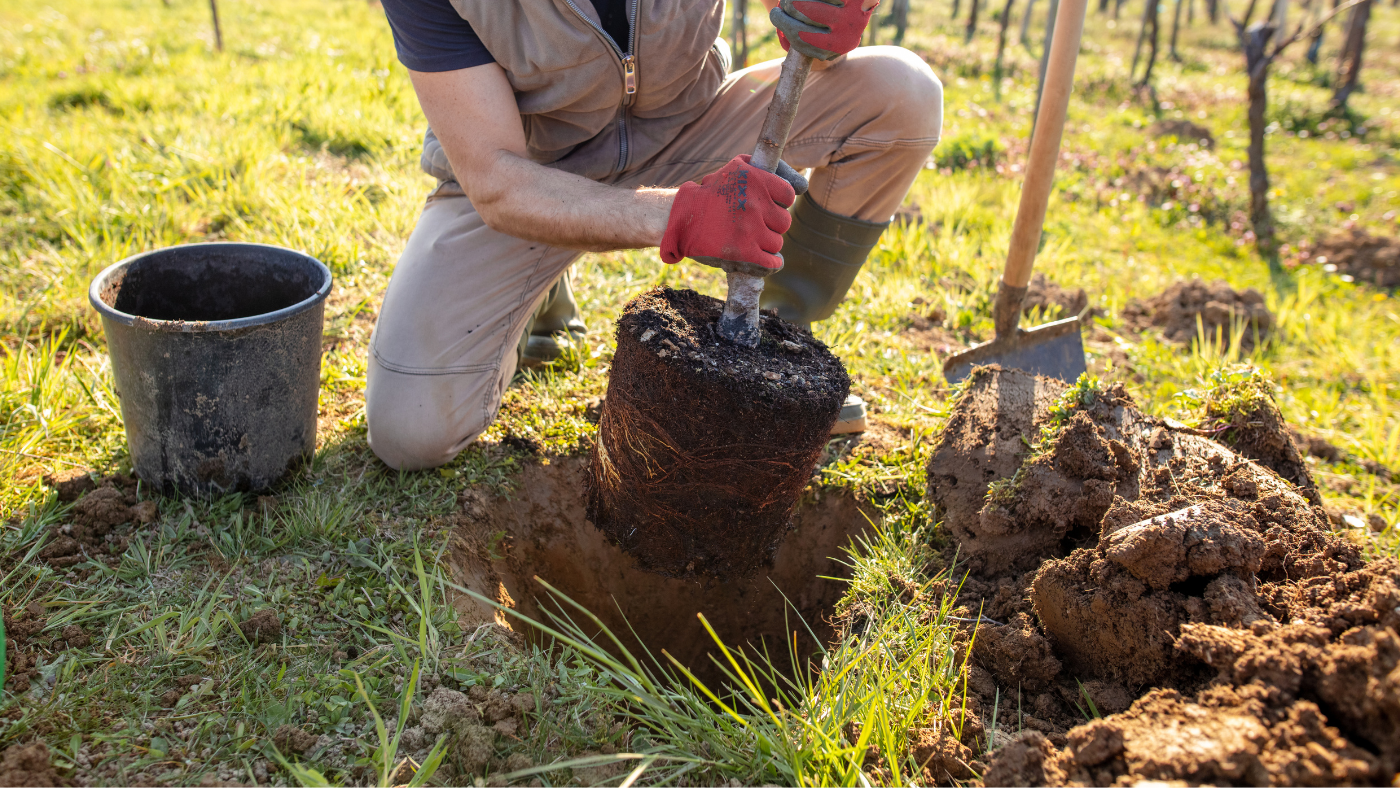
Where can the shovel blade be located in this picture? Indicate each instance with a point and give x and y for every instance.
(1054, 350)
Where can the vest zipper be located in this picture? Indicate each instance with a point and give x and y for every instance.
(629, 68)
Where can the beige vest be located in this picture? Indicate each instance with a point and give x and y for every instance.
(571, 85)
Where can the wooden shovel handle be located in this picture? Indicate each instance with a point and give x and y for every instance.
(1045, 143)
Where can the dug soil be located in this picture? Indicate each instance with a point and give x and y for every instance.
(1152, 606)
(1185, 310)
(1365, 257)
(24, 765)
(705, 446)
(506, 549)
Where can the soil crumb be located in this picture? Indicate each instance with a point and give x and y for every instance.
(1218, 309)
(703, 446)
(1367, 258)
(291, 739)
(1187, 600)
(1054, 301)
(24, 765)
(262, 627)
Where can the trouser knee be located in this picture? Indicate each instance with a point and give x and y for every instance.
(423, 421)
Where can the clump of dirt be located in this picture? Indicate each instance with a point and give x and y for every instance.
(1225, 736)
(940, 755)
(1185, 309)
(986, 438)
(24, 765)
(99, 508)
(291, 739)
(1153, 575)
(703, 446)
(262, 627)
(925, 330)
(1240, 411)
(472, 721)
(70, 485)
(1365, 257)
(1112, 612)
(1184, 130)
(1054, 301)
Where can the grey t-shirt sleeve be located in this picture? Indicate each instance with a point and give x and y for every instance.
(431, 36)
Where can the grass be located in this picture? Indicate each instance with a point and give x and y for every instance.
(123, 130)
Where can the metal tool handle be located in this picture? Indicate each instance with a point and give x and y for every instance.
(739, 323)
(1040, 166)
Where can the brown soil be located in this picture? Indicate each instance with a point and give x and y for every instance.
(291, 739)
(1367, 258)
(99, 508)
(24, 765)
(262, 627)
(703, 446)
(1133, 568)
(1055, 301)
(1260, 433)
(926, 332)
(1184, 131)
(475, 721)
(27, 643)
(503, 548)
(986, 439)
(1216, 307)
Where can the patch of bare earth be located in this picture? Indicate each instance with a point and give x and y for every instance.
(1187, 310)
(1130, 568)
(1365, 257)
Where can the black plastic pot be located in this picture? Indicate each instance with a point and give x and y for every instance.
(216, 350)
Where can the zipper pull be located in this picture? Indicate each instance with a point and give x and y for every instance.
(629, 74)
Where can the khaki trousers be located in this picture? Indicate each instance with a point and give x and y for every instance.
(444, 347)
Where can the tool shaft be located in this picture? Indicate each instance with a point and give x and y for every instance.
(739, 324)
(1045, 144)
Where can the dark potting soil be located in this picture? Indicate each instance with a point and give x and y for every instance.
(1134, 569)
(703, 446)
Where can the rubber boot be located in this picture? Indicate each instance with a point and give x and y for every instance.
(555, 321)
(822, 254)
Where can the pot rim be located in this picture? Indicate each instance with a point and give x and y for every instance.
(195, 326)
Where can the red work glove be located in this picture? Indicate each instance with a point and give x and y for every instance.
(739, 213)
(823, 29)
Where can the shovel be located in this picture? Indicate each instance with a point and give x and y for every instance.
(1054, 349)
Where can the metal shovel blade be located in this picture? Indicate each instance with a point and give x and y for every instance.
(1054, 350)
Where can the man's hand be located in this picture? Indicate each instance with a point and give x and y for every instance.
(739, 213)
(822, 29)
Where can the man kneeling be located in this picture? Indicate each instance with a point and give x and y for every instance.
(559, 127)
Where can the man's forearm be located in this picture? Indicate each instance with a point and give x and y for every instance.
(521, 198)
(474, 114)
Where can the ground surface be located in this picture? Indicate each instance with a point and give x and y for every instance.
(138, 646)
